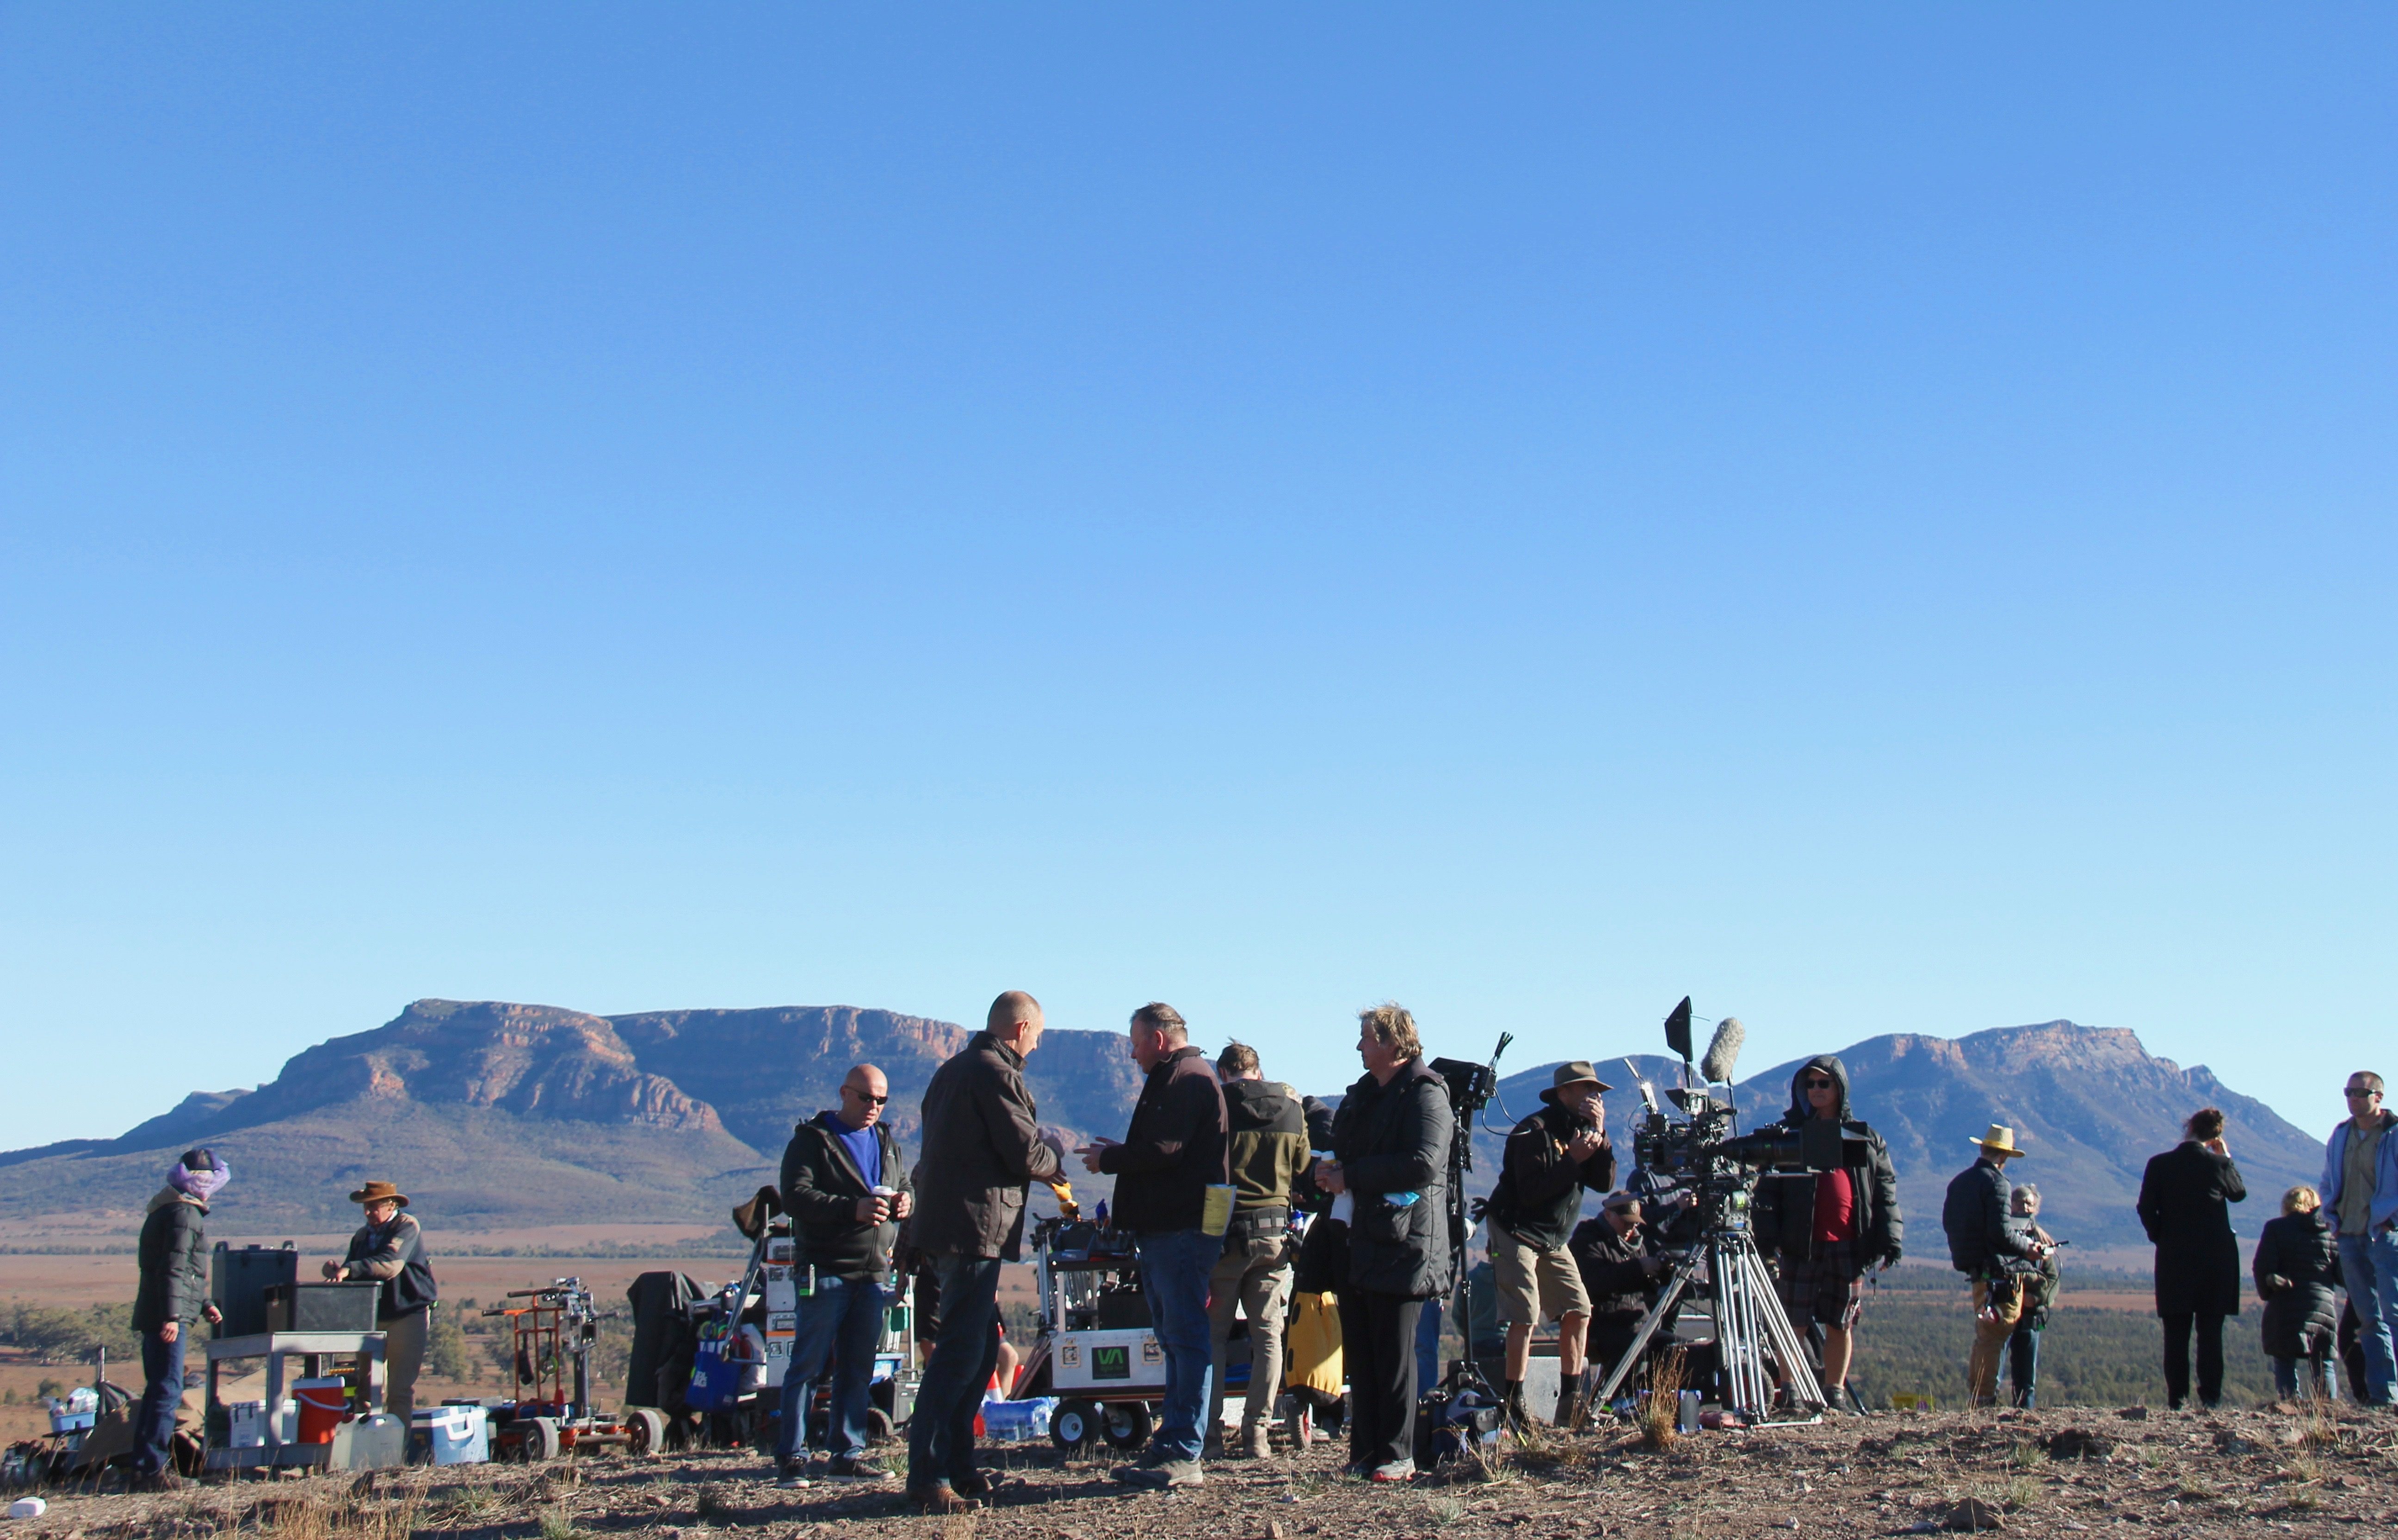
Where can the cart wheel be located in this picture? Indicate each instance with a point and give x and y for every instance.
(878, 1426)
(645, 1432)
(1125, 1424)
(1074, 1427)
(541, 1439)
(1297, 1422)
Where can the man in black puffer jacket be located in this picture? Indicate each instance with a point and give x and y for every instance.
(1827, 1228)
(846, 1189)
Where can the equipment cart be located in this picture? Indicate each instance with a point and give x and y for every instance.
(553, 1330)
(1096, 1350)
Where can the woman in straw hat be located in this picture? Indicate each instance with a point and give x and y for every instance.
(389, 1249)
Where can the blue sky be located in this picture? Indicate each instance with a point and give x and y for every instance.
(1879, 518)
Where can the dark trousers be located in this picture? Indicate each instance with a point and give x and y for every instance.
(2210, 1356)
(1378, 1343)
(153, 1425)
(940, 1433)
(2023, 1363)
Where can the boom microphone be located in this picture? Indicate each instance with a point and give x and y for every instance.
(1723, 1048)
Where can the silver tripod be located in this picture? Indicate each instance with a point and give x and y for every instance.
(1750, 1327)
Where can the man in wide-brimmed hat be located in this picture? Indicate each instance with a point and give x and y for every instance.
(1985, 1247)
(1551, 1157)
(390, 1248)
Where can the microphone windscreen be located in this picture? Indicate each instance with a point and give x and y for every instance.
(1723, 1051)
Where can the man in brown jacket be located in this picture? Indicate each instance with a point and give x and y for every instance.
(983, 1147)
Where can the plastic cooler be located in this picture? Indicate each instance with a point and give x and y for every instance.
(323, 1404)
(449, 1435)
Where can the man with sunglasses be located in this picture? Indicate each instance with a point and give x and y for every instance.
(1827, 1228)
(2360, 1195)
(846, 1189)
(1619, 1271)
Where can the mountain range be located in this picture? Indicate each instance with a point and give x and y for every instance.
(496, 1115)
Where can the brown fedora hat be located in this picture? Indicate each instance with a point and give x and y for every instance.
(379, 1192)
(1581, 1072)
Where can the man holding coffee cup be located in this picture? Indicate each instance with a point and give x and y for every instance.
(846, 1189)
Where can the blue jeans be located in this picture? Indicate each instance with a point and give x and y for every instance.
(940, 1433)
(1173, 1268)
(1428, 1347)
(2023, 1363)
(2368, 1265)
(2319, 1376)
(153, 1425)
(839, 1324)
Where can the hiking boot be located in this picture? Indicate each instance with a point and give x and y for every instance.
(857, 1468)
(1568, 1415)
(791, 1475)
(1164, 1474)
(1255, 1442)
(1148, 1459)
(938, 1499)
(1397, 1470)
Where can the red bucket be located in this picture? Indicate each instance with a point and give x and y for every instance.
(324, 1404)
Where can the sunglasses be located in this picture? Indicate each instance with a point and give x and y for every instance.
(853, 1090)
(2363, 1091)
(1815, 1083)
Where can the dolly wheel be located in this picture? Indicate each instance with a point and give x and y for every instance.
(645, 1432)
(1125, 1426)
(1074, 1427)
(541, 1439)
(878, 1426)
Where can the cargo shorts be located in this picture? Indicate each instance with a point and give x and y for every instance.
(1535, 1281)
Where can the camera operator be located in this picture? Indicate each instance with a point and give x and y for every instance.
(1619, 1272)
(1390, 1143)
(1551, 1157)
(1994, 1253)
(1829, 1227)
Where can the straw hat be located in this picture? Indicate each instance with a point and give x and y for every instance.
(379, 1192)
(2000, 1139)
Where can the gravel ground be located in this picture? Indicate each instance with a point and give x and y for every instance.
(2066, 1472)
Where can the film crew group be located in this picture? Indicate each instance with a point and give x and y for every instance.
(846, 1189)
(172, 1297)
(1823, 1229)
(1550, 1158)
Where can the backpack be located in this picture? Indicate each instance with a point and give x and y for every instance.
(1960, 1216)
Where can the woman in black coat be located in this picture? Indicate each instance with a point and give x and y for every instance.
(2297, 1268)
(2183, 1206)
(1389, 1141)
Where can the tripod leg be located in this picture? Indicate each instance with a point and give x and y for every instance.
(1673, 1287)
(1783, 1338)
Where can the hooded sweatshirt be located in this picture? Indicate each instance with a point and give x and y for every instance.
(1795, 1213)
(1269, 1142)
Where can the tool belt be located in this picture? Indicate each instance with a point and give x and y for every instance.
(1254, 1223)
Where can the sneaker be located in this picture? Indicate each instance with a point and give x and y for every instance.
(1166, 1473)
(938, 1499)
(856, 1468)
(1148, 1459)
(791, 1475)
(1397, 1470)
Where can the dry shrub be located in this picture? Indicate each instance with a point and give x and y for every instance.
(314, 1517)
(1664, 1406)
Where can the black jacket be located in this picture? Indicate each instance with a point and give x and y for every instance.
(1981, 1241)
(2297, 1268)
(1784, 1216)
(1537, 1197)
(173, 1253)
(821, 1185)
(1611, 1273)
(1394, 1140)
(1269, 1144)
(393, 1254)
(2184, 1198)
(982, 1146)
(1175, 1149)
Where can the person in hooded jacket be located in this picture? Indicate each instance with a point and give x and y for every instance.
(173, 1253)
(1827, 1228)
(2297, 1267)
(1268, 1129)
(1390, 1143)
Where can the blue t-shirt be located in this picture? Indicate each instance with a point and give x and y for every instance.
(865, 1146)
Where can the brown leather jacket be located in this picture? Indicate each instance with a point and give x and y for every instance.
(982, 1148)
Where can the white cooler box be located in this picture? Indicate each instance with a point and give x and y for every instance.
(449, 1435)
(245, 1422)
(1103, 1362)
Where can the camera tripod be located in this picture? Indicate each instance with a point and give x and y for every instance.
(1750, 1325)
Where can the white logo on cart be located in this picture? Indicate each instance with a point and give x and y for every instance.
(1150, 1352)
(1070, 1355)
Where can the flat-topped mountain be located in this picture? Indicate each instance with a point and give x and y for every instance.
(497, 1115)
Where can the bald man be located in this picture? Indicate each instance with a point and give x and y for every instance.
(846, 1189)
(983, 1147)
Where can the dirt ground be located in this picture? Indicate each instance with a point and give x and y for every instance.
(2051, 1473)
